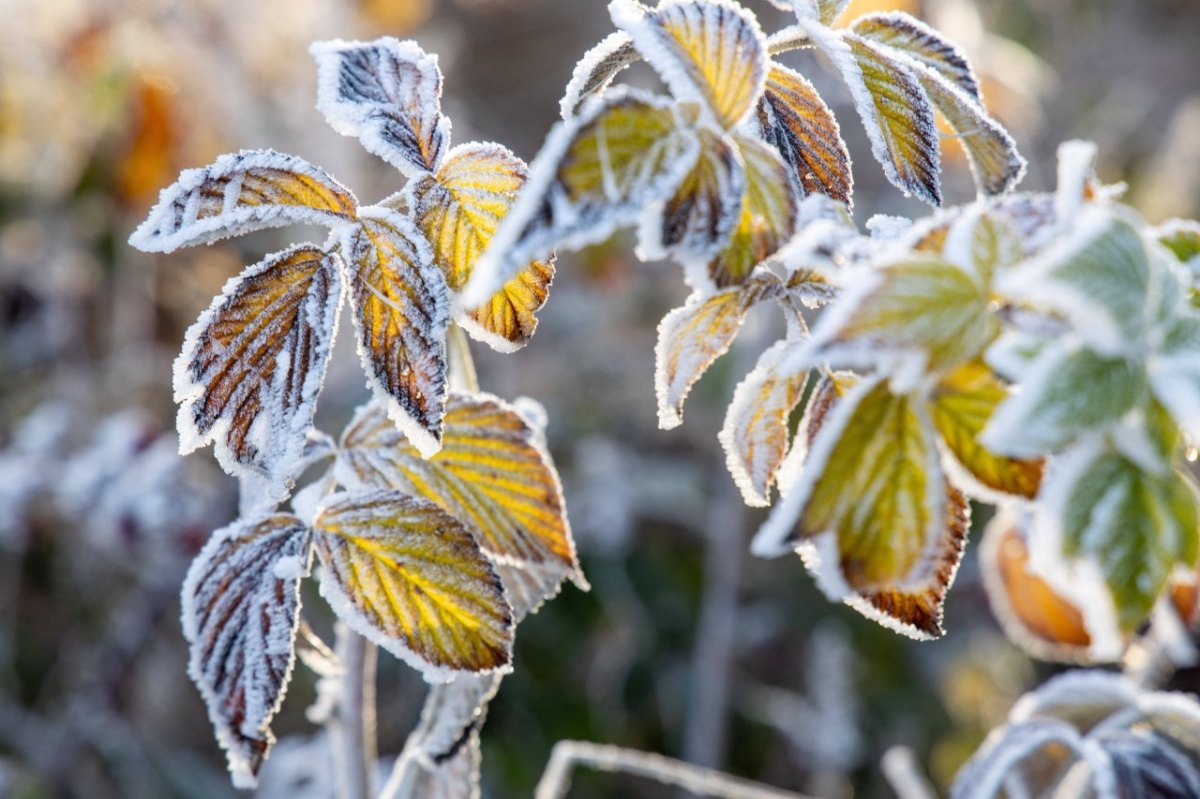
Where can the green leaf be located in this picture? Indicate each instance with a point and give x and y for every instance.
(922, 304)
(1070, 390)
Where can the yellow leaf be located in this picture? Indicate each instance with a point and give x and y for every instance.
(691, 338)
(768, 217)
(906, 33)
(410, 577)
(401, 312)
(458, 210)
(871, 513)
(714, 50)
(596, 172)
(1034, 616)
(755, 433)
(961, 405)
(919, 305)
(795, 120)
(492, 473)
(239, 193)
(699, 219)
(252, 365)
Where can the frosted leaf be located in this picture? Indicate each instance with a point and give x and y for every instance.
(1102, 518)
(698, 220)
(692, 337)
(1174, 367)
(894, 108)
(711, 52)
(903, 32)
(1031, 612)
(625, 152)
(960, 406)
(239, 193)
(388, 93)
(794, 119)
(253, 365)
(1076, 178)
(929, 310)
(1147, 764)
(755, 433)
(454, 777)
(827, 10)
(767, 221)
(1082, 698)
(528, 586)
(1098, 276)
(1031, 216)
(452, 712)
(408, 576)
(1182, 238)
(1069, 390)
(1004, 750)
(240, 616)
(401, 310)
(458, 210)
(493, 474)
(595, 71)
(872, 514)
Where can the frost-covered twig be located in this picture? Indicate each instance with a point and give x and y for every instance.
(352, 725)
(701, 781)
(904, 774)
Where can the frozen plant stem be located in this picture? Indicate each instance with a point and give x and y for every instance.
(556, 780)
(462, 366)
(352, 726)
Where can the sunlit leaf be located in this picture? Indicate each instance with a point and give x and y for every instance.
(388, 93)
(451, 713)
(528, 586)
(458, 210)
(1182, 238)
(492, 473)
(794, 119)
(1098, 276)
(596, 172)
(872, 514)
(692, 337)
(982, 243)
(768, 216)
(253, 364)
(1069, 390)
(755, 433)
(922, 43)
(401, 312)
(595, 71)
(698, 220)
(1174, 367)
(410, 577)
(241, 609)
(894, 108)
(239, 193)
(924, 306)
(960, 407)
(984, 775)
(1033, 614)
(1131, 528)
(714, 53)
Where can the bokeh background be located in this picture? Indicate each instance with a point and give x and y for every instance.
(685, 646)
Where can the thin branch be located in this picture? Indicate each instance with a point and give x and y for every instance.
(352, 724)
(567, 755)
(462, 365)
(904, 774)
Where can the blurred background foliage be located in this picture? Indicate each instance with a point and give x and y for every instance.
(685, 646)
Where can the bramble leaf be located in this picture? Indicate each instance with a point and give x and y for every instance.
(239, 193)
(903, 32)
(894, 108)
(492, 473)
(923, 306)
(410, 577)
(755, 433)
(960, 407)
(1098, 277)
(1069, 390)
(388, 93)
(794, 119)
(699, 218)
(241, 610)
(1182, 238)
(1173, 367)
(595, 71)
(872, 514)
(624, 153)
(712, 53)
(401, 313)
(253, 364)
(458, 210)
(768, 215)
(692, 337)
